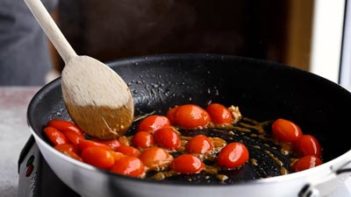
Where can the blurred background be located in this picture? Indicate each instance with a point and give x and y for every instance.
(306, 34)
(279, 30)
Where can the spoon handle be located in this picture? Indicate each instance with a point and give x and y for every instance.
(51, 29)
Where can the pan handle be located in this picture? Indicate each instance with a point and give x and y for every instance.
(336, 184)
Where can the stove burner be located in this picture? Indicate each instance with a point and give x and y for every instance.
(36, 177)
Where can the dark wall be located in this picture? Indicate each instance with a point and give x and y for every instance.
(112, 29)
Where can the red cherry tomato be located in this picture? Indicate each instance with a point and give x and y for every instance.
(199, 144)
(129, 166)
(64, 125)
(306, 162)
(69, 150)
(143, 139)
(153, 123)
(55, 136)
(72, 136)
(219, 114)
(167, 138)
(308, 145)
(187, 164)
(98, 157)
(83, 144)
(233, 155)
(171, 115)
(113, 144)
(155, 157)
(117, 155)
(285, 130)
(191, 116)
(128, 150)
(73, 155)
(66, 148)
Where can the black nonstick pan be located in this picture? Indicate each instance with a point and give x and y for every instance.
(263, 91)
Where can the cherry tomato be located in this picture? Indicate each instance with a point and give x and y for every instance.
(72, 136)
(113, 144)
(220, 114)
(306, 162)
(191, 116)
(285, 130)
(233, 155)
(308, 145)
(199, 144)
(167, 138)
(143, 139)
(187, 164)
(64, 125)
(156, 158)
(153, 123)
(129, 166)
(69, 150)
(171, 115)
(83, 144)
(98, 157)
(128, 150)
(117, 155)
(55, 136)
(66, 148)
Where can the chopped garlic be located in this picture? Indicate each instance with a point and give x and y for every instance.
(235, 112)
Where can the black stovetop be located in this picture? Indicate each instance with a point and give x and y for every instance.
(36, 177)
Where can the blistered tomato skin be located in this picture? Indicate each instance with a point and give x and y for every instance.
(191, 116)
(143, 139)
(128, 150)
(167, 138)
(153, 123)
(306, 162)
(308, 145)
(69, 150)
(285, 130)
(98, 157)
(73, 136)
(220, 114)
(171, 115)
(155, 157)
(55, 136)
(199, 144)
(84, 143)
(117, 155)
(65, 125)
(233, 155)
(66, 148)
(113, 144)
(129, 166)
(187, 164)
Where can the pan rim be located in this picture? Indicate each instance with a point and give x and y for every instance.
(338, 161)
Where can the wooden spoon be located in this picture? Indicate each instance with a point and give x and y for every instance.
(96, 97)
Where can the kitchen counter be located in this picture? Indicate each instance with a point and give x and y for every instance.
(13, 134)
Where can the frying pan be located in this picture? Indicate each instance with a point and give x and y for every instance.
(262, 90)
